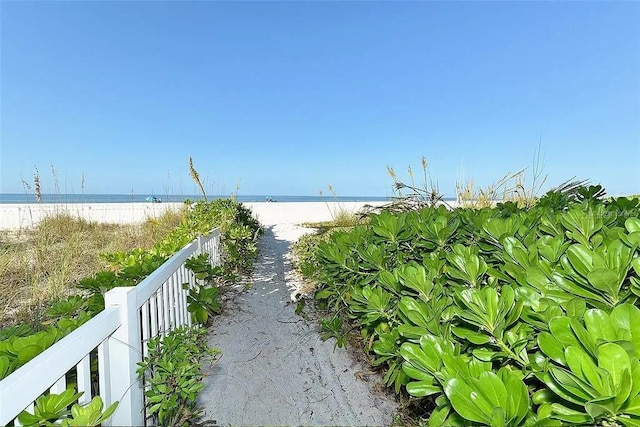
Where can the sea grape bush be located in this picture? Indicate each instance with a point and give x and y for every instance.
(502, 316)
(172, 372)
(53, 409)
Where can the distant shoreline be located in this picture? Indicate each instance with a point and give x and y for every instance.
(18, 198)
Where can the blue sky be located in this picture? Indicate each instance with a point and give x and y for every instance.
(287, 97)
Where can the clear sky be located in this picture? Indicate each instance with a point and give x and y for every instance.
(287, 97)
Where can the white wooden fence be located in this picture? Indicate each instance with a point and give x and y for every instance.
(131, 317)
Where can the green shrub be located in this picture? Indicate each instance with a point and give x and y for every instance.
(173, 372)
(496, 316)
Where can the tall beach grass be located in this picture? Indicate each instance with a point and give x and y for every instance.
(40, 265)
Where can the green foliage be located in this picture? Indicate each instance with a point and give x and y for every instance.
(202, 301)
(594, 369)
(304, 251)
(503, 316)
(332, 328)
(493, 399)
(201, 267)
(238, 226)
(172, 372)
(18, 345)
(90, 414)
(16, 351)
(53, 409)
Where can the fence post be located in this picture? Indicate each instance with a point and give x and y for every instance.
(215, 256)
(200, 248)
(125, 351)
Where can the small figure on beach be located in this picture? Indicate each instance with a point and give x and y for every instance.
(269, 199)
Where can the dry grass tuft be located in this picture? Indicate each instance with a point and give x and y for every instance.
(341, 219)
(512, 187)
(41, 265)
(340, 215)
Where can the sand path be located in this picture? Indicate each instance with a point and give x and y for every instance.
(275, 369)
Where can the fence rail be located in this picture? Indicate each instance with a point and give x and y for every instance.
(115, 339)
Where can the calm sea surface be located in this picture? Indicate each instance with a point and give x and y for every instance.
(137, 198)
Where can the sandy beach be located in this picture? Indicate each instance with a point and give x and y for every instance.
(21, 216)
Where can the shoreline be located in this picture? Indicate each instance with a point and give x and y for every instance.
(14, 198)
(20, 216)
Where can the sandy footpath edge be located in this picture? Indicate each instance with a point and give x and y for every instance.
(275, 369)
(19, 216)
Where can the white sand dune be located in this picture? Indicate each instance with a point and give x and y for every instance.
(300, 212)
(17, 216)
(20, 216)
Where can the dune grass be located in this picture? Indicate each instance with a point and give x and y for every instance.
(40, 265)
(341, 218)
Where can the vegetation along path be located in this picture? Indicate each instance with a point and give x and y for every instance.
(275, 369)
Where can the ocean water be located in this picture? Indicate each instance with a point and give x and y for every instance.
(141, 198)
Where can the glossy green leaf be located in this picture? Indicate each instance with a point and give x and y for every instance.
(635, 263)
(632, 225)
(491, 388)
(601, 407)
(573, 385)
(630, 422)
(581, 258)
(615, 360)
(568, 285)
(605, 280)
(416, 311)
(598, 324)
(570, 415)
(415, 277)
(543, 395)
(551, 347)
(423, 388)
(412, 332)
(626, 322)
(471, 335)
(587, 340)
(417, 373)
(28, 352)
(560, 327)
(428, 360)
(497, 417)
(467, 402)
(576, 308)
(485, 354)
(439, 415)
(516, 250)
(633, 406)
(634, 238)
(518, 397)
(582, 365)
